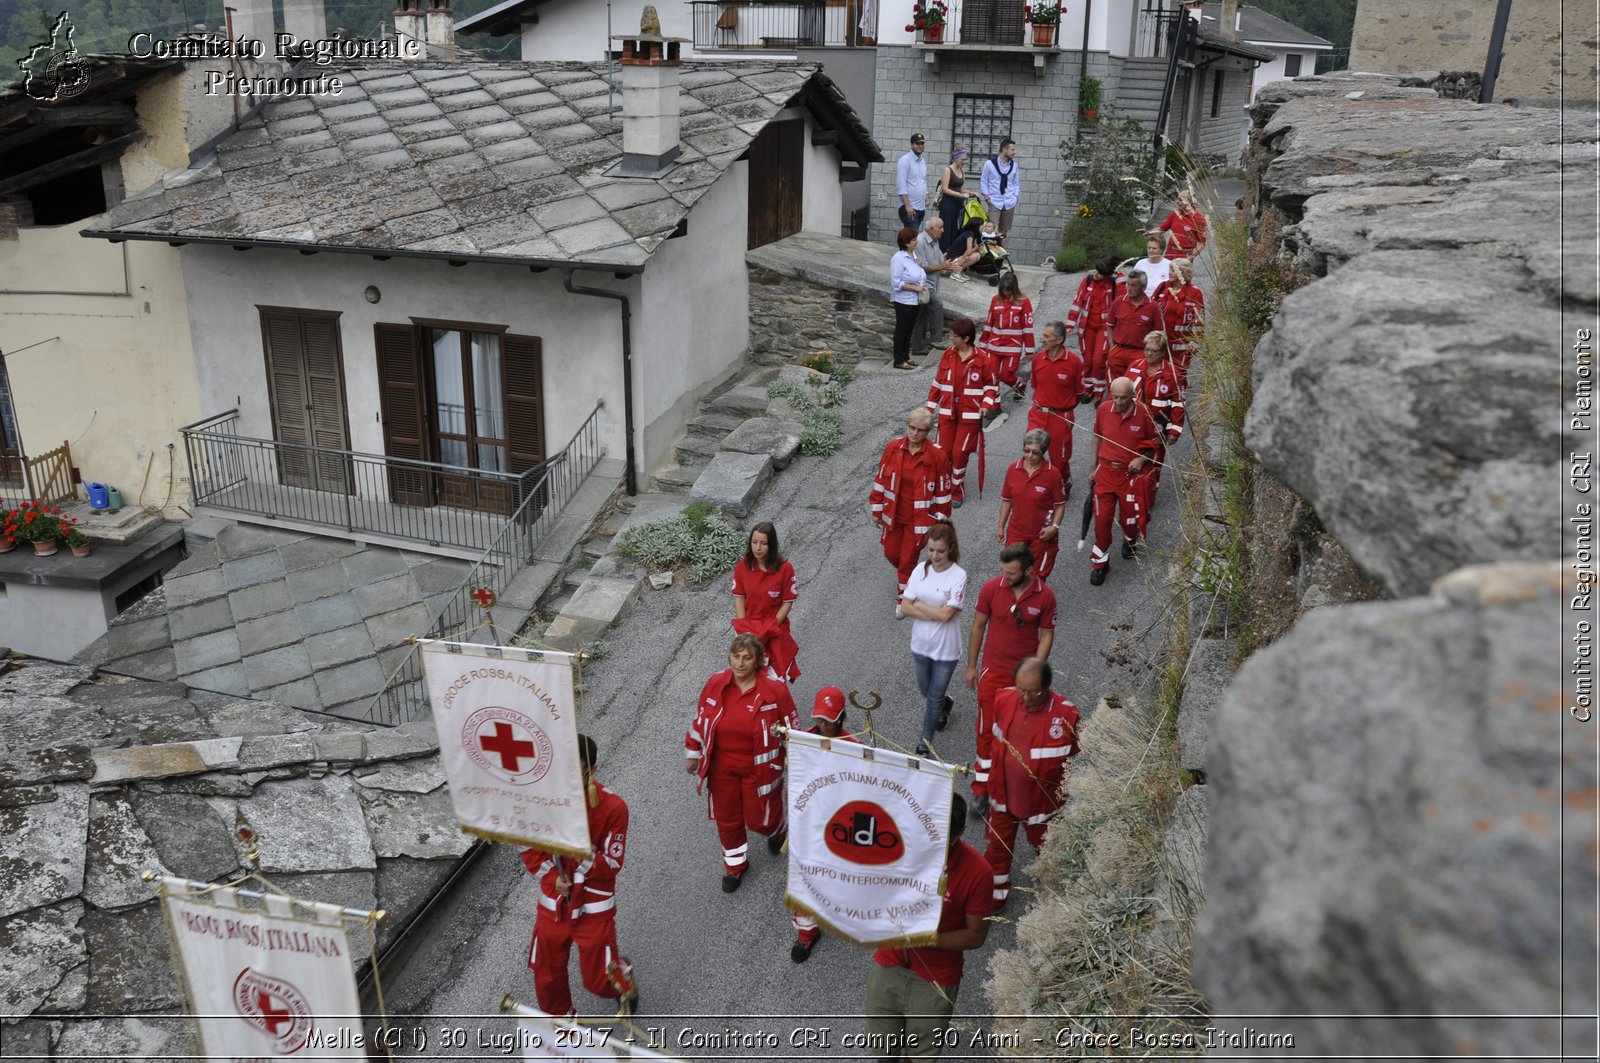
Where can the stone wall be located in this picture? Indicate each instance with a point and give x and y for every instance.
(1420, 35)
(790, 317)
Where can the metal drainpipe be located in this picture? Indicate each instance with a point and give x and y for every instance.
(632, 476)
(1083, 60)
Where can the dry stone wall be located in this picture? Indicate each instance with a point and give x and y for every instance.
(791, 317)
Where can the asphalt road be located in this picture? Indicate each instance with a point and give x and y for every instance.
(708, 962)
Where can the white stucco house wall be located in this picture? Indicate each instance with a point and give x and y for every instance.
(1294, 50)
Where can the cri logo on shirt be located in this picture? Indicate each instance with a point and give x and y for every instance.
(864, 833)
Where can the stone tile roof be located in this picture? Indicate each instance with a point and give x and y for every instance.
(486, 161)
(1261, 27)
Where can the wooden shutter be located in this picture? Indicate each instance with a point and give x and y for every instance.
(402, 404)
(289, 395)
(325, 393)
(522, 370)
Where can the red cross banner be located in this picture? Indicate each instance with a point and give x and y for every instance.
(260, 981)
(508, 741)
(868, 836)
(541, 1036)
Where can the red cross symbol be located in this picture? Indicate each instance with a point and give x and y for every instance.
(510, 750)
(273, 1017)
(483, 596)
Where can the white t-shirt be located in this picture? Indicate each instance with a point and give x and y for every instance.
(1155, 273)
(930, 638)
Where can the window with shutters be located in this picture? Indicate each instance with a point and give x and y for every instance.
(981, 123)
(992, 22)
(305, 377)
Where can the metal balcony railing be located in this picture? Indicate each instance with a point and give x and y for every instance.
(773, 25)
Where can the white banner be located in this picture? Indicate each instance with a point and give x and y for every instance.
(542, 1036)
(261, 984)
(867, 839)
(508, 740)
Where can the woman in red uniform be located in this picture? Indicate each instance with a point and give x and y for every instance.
(1187, 226)
(730, 745)
(1008, 333)
(1087, 317)
(963, 390)
(764, 590)
(1183, 309)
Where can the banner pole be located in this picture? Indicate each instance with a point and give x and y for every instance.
(867, 708)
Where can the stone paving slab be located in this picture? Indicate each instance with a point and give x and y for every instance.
(733, 481)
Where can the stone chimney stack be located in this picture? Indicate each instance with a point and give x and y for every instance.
(441, 30)
(650, 65)
(1229, 20)
(305, 19)
(410, 26)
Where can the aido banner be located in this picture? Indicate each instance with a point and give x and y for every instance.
(508, 740)
(261, 982)
(868, 835)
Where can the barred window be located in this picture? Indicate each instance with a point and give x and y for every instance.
(981, 123)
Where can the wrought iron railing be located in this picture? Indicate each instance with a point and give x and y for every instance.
(1156, 32)
(773, 25)
(420, 501)
(403, 697)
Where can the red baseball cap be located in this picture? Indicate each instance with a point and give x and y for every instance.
(829, 705)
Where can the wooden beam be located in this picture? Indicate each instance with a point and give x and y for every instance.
(111, 149)
(85, 114)
(824, 137)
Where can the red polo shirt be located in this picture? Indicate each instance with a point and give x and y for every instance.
(1122, 438)
(1011, 636)
(1057, 382)
(1130, 324)
(969, 890)
(1032, 498)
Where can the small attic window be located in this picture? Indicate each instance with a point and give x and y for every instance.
(68, 198)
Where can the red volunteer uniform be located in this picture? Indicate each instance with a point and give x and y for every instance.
(1184, 312)
(1122, 438)
(963, 391)
(1008, 336)
(1127, 325)
(1161, 391)
(764, 594)
(1058, 386)
(585, 917)
(1031, 751)
(910, 492)
(741, 758)
(1188, 232)
(967, 892)
(1012, 634)
(1034, 499)
(1088, 317)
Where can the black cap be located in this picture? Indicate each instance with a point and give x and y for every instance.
(918, 138)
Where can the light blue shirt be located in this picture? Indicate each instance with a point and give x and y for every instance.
(903, 270)
(990, 184)
(911, 179)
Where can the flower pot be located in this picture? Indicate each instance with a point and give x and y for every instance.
(44, 547)
(83, 551)
(1044, 36)
(7, 545)
(1091, 115)
(932, 34)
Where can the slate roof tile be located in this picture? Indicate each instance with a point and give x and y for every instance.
(313, 160)
(420, 131)
(358, 127)
(464, 101)
(346, 111)
(481, 116)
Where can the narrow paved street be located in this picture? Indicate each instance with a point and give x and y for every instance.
(702, 955)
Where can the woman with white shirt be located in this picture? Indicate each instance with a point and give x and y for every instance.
(932, 601)
(906, 282)
(1155, 266)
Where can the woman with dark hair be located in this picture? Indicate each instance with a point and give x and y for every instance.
(932, 600)
(963, 391)
(1087, 317)
(730, 745)
(1008, 334)
(907, 281)
(764, 590)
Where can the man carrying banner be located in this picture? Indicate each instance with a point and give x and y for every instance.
(578, 904)
(1035, 731)
(828, 721)
(730, 745)
(911, 993)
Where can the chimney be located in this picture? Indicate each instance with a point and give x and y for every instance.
(441, 30)
(650, 65)
(410, 27)
(305, 19)
(253, 19)
(1228, 23)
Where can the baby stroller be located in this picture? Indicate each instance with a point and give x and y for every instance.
(993, 260)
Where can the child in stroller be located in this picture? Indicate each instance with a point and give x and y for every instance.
(977, 236)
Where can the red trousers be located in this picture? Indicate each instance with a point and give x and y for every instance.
(902, 547)
(595, 934)
(1044, 555)
(737, 804)
(1059, 425)
(1119, 500)
(959, 438)
(1091, 345)
(1002, 833)
(1006, 365)
(1149, 481)
(990, 683)
(1119, 360)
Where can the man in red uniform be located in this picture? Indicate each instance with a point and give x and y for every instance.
(963, 391)
(577, 905)
(1016, 618)
(1123, 444)
(828, 721)
(1035, 731)
(730, 745)
(1058, 387)
(911, 491)
(1159, 389)
(1033, 502)
(1132, 317)
(911, 993)
(1096, 293)
(1183, 309)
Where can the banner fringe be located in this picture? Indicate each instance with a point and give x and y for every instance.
(902, 941)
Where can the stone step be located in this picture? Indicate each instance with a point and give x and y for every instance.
(740, 401)
(758, 376)
(695, 450)
(575, 577)
(596, 546)
(677, 479)
(553, 606)
(713, 425)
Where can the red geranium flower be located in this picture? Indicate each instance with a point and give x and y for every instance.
(30, 517)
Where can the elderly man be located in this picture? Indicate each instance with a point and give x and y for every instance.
(1132, 317)
(1059, 385)
(929, 328)
(1035, 731)
(911, 183)
(911, 491)
(1124, 443)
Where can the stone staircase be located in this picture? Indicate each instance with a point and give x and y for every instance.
(1137, 93)
(724, 410)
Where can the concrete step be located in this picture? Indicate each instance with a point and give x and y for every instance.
(677, 479)
(695, 450)
(574, 578)
(713, 425)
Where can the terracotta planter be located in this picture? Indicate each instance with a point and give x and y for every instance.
(1043, 36)
(1091, 115)
(83, 551)
(7, 545)
(45, 547)
(932, 34)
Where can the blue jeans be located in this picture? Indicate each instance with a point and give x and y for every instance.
(911, 219)
(933, 679)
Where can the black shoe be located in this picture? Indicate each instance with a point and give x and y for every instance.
(629, 1006)
(1128, 550)
(1067, 496)
(944, 712)
(922, 750)
(1097, 576)
(800, 951)
(730, 881)
(775, 843)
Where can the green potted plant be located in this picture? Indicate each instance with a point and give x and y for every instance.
(79, 542)
(1044, 16)
(927, 17)
(1089, 96)
(38, 524)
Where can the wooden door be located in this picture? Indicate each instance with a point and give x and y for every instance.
(305, 385)
(777, 182)
(403, 405)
